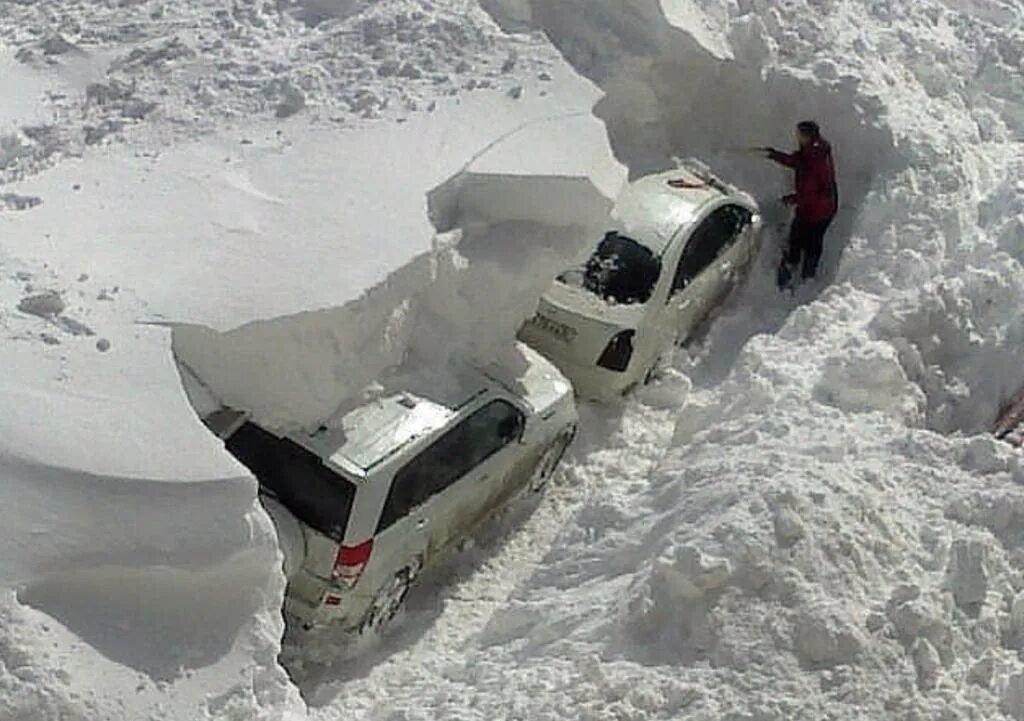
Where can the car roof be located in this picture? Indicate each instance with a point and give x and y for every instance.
(650, 211)
(403, 409)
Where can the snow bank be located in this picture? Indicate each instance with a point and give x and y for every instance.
(241, 238)
(135, 577)
(503, 235)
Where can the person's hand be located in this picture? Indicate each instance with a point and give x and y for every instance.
(789, 199)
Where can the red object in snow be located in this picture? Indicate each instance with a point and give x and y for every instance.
(816, 198)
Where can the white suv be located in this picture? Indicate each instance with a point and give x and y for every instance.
(363, 506)
(677, 243)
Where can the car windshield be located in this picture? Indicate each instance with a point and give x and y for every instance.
(311, 491)
(621, 270)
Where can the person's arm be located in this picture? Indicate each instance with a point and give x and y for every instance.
(787, 159)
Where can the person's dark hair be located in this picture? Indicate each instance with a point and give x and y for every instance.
(809, 127)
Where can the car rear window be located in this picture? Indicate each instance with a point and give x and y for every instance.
(314, 493)
(621, 270)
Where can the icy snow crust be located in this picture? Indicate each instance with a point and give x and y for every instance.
(801, 520)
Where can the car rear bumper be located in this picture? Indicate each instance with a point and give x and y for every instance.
(593, 382)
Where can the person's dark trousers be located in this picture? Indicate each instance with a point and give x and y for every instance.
(806, 242)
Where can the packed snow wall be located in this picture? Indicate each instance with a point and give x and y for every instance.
(506, 223)
(682, 80)
(139, 578)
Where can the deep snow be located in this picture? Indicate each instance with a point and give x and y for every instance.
(802, 519)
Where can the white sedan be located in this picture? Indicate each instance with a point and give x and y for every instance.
(677, 244)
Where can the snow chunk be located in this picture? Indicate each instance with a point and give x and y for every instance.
(13, 201)
(870, 378)
(44, 305)
(677, 592)
(1012, 701)
(927, 664)
(826, 640)
(968, 572)
(509, 220)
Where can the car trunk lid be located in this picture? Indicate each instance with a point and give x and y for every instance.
(575, 325)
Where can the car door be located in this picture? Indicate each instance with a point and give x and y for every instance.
(493, 443)
(441, 490)
(736, 227)
(401, 531)
(696, 278)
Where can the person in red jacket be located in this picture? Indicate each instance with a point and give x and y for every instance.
(816, 200)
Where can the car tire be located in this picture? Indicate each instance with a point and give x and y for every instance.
(550, 459)
(389, 599)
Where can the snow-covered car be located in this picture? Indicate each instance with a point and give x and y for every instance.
(363, 506)
(677, 243)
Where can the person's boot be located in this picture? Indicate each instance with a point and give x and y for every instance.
(784, 279)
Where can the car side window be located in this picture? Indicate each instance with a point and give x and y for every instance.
(453, 455)
(736, 218)
(709, 240)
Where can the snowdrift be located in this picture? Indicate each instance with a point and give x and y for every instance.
(498, 238)
(138, 574)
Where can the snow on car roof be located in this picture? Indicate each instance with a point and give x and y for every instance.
(650, 211)
(406, 408)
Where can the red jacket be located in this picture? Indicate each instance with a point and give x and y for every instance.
(816, 196)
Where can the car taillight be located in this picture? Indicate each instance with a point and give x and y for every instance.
(617, 353)
(351, 561)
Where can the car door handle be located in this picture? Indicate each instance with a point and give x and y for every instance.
(422, 523)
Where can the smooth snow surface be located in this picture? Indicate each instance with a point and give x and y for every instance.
(801, 519)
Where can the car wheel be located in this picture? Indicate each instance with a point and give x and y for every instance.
(550, 459)
(389, 599)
